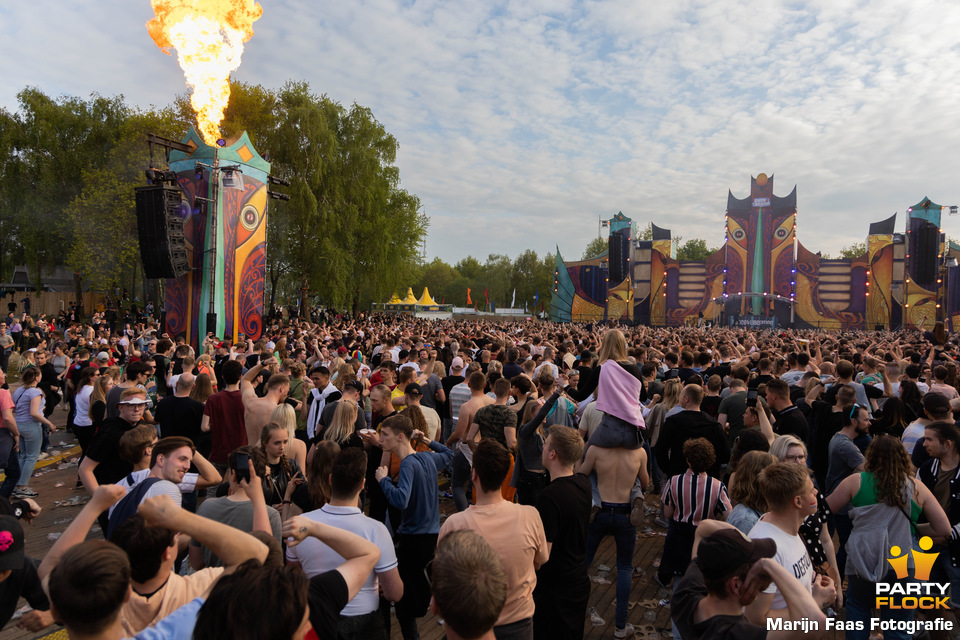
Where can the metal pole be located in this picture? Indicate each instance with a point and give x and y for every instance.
(211, 313)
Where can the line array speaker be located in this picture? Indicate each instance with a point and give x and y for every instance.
(163, 248)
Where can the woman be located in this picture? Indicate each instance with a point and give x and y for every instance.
(280, 469)
(315, 491)
(745, 490)
(529, 476)
(28, 411)
(655, 419)
(82, 422)
(618, 396)
(890, 419)
(98, 401)
(886, 502)
(204, 368)
(286, 417)
(202, 388)
(816, 537)
(912, 401)
(61, 364)
(342, 429)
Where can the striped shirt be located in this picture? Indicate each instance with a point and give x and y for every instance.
(458, 395)
(695, 497)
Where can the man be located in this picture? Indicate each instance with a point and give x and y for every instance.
(617, 472)
(764, 373)
(466, 563)
(181, 415)
(223, 417)
(791, 496)
(415, 494)
(936, 408)
(135, 375)
(241, 508)
(322, 392)
(564, 505)
(257, 411)
(845, 372)
(789, 419)
(685, 425)
(727, 571)
(165, 351)
(102, 463)
(361, 617)
(732, 409)
(18, 578)
(460, 471)
(940, 385)
(447, 384)
(515, 531)
(941, 474)
(798, 367)
(413, 395)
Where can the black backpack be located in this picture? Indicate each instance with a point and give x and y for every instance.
(129, 503)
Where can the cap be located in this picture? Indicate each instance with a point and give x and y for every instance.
(936, 402)
(413, 389)
(221, 345)
(271, 344)
(103, 355)
(456, 363)
(341, 349)
(135, 400)
(11, 543)
(722, 553)
(353, 384)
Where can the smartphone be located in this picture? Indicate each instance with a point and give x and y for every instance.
(751, 397)
(243, 467)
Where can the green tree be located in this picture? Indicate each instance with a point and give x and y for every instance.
(469, 267)
(594, 248)
(853, 251)
(694, 249)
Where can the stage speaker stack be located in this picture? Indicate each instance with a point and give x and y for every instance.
(926, 256)
(616, 257)
(161, 212)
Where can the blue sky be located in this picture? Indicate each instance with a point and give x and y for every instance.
(520, 122)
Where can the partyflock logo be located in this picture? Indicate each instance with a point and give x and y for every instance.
(919, 593)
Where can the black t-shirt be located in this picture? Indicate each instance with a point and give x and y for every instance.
(683, 607)
(328, 595)
(22, 581)
(792, 422)
(710, 405)
(180, 417)
(564, 507)
(111, 468)
(163, 363)
(763, 378)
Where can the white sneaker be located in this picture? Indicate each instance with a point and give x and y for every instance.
(626, 632)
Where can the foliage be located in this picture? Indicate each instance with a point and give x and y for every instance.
(853, 251)
(694, 249)
(594, 248)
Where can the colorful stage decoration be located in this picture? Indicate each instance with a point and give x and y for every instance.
(226, 240)
(764, 277)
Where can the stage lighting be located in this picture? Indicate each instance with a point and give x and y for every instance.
(279, 181)
(276, 195)
(232, 179)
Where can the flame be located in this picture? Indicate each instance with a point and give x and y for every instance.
(208, 36)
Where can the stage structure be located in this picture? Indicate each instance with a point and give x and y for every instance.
(763, 277)
(216, 235)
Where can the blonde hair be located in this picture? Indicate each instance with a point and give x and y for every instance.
(672, 389)
(613, 346)
(99, 394)
(285, 416)
(343, 424)
(781, 445)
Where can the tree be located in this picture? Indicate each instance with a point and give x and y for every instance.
(594, 248)
(853, 251)
(694, 249)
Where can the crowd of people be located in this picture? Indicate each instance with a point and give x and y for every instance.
(291, 486)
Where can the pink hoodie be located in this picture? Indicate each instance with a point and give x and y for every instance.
(618, 393)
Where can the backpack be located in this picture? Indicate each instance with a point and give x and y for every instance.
(129, 503)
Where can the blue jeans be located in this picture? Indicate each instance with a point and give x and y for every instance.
(844, 526)
(860, 598)
(31, 437)
(605, 523)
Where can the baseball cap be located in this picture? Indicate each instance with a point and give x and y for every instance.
(413, 389)
(134, 400)
(341, 349)
(456, 363)
(11, 543)
(936, 402)
(103, 355)
(722, 553)
(353, 384)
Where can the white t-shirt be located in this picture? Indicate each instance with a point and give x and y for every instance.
(791, 555)
(163, 487)
(912, 435)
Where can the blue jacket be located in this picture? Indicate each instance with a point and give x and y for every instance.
(415, 492)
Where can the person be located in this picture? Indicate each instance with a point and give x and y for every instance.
(286, 416)
(529, 476)
(243, 508)
(845, 459)
(256, 410)
(415, 494)
(18, 578)
(102, 463)
(681, 427)
(179, 414)
(9, 439)
(726, 574)
(886, 501)
(413, 397)
(460, 469)
(28, 405)
(351, 394)
(135, 375)
(745, 494)
(361, 618)
(788, 418)
(466, 563)
(936, 408)
(618, 396)
(941, 475)
(688, 499)
(560, 596)
(732, 408)
(322, 392)
(617, 471)
(342, 428)
(223, 417)
(791, 497)
(515, 531)
(282, 473)
(98, 402)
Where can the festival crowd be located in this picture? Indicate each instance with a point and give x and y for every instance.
(290, 487)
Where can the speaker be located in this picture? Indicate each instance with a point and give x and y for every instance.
(160, 216)
(926, 256)
(616, 259)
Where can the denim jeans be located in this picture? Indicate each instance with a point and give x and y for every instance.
(460, 476)
(844, 526)
(31, 437)
(605, 523)
(860, 598)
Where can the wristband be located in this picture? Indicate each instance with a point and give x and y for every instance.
(286, 502)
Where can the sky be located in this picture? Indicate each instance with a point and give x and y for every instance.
(520, 124)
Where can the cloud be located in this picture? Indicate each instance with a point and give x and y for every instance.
(520, 123)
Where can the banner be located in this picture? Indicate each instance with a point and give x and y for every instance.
(469, 301)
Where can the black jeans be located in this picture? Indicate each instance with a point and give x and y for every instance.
(414, 552)
(366, 627)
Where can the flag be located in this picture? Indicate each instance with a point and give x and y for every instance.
(513, 302)
(469, 301)
(536, 297)
(486, 297)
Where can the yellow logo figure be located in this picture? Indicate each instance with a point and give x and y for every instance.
(923, 562)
